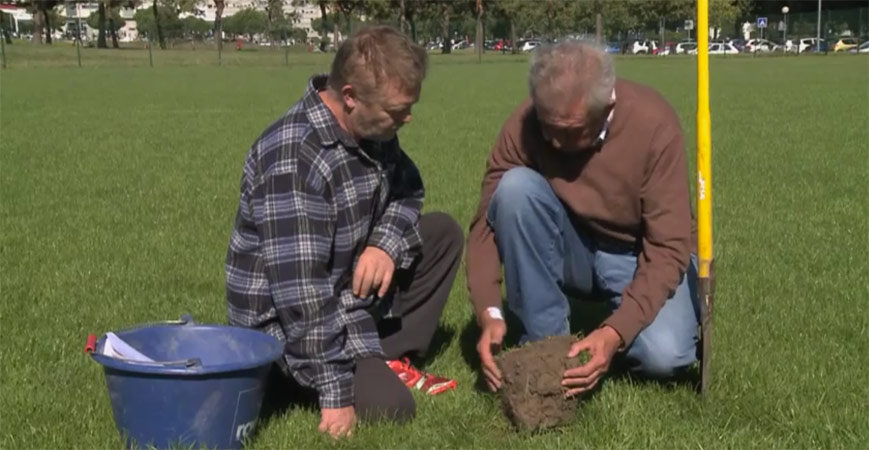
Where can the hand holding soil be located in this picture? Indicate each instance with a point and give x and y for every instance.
(601, 345)
(488, 346)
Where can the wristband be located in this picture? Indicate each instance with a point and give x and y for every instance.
(494, 313)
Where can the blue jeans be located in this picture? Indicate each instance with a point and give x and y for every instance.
(544, 256)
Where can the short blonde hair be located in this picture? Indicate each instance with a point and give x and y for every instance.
(376, 56)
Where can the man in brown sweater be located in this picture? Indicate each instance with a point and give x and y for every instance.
(586, 192)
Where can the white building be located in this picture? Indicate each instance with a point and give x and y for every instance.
(16, 14)
(75, 12)
(306, 11)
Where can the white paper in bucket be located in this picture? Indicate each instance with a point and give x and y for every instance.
(115, 347)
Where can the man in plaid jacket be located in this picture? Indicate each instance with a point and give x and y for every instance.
(330, 252)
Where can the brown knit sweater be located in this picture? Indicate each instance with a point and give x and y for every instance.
(632, 190)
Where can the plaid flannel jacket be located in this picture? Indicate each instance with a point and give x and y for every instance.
(311, 200)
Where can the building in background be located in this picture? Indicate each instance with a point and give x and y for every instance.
(16, 14)
(303, 11)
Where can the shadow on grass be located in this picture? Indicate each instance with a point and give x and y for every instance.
(439, 343)
(284, 395)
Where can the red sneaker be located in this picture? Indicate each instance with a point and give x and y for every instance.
(408, 374)
(417, 379)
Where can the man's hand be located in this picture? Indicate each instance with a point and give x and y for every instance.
(373, 270)
(490, 339)
(338, 422)
(601, 344)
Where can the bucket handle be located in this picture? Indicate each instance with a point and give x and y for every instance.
(187, 363)
(185, 320)
(91, 346)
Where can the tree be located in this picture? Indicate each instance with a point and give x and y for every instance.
(276, 22)
(247, 22)
(106, 20)
(512, 10)
(45, 20)
(478, 42)
(412, 11)
(402, 16)
(118, 22)
(4, 19)
(195, 27)
(298, 35)
(157, 27)
(446, 10)
(218, 22)
(161, 25)
(618, 19)
(144, 23)
(324, 31)
(721, 13)
(101, 25)
(346, 8)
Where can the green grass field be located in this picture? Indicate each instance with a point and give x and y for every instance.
(119, 187)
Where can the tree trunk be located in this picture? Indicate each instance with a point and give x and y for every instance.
(513, 49)
(101, 25)
(335, 33)
(413, 29)
(218, 23)
(47, 26)
(598, 25)
(38, 26)
(6, 36)
(445, 31)
(349, 16)
(479, 40)
(160, 38)
(272, 17)
(324, 33)
(401, 17)
(113, 30)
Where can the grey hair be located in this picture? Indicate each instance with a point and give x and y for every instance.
(571, 70)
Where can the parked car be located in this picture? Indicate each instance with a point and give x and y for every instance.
(738, 43)
(646, 47)
(863, 48)
(459, 45)
(810, 44)
(844, 44)
(667, 49)
(613, 48)
(529, 45)
(759, 45)
(722, 49)
(684, 46)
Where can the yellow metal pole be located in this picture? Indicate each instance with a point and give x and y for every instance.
(704, 194)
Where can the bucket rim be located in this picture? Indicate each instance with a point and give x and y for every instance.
(158, 368)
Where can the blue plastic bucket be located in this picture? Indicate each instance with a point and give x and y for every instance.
(205, 389)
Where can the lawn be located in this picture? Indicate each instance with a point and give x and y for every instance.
(120, 182)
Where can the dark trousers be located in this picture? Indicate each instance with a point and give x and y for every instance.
(421, 293)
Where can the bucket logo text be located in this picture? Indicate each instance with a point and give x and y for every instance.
(244, 430)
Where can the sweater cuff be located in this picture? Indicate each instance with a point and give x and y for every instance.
(626, 321)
